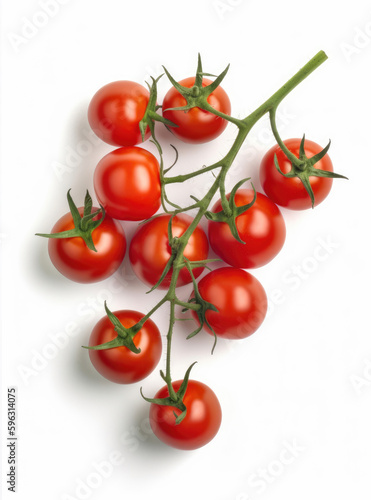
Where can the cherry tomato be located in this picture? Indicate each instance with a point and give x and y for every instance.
(76, 261)
(127, 184)
(196, 126)
(119, 364)
(115, 112)
(261, 227)
(240, 299)
(200, 425)
(290, 192)
(150, 250)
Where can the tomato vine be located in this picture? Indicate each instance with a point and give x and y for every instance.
(196, 96)
(177, 267)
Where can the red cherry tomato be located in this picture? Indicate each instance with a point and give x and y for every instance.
(150, 250)
(127, 184)
(76, 261)
(196, 125)
(240, 299)
(200, 425)
(115, 112)
(119, 364)
(262, 227)
(290, 192)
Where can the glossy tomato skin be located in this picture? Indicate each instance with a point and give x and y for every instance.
(73, 258)
(119, 364)
(127, 184)
(200, 425)
(290, 192)
(240, 299)
(262, 227)
(150, 250)
(115, 111)
(196, 126)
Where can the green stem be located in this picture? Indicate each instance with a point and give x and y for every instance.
(169, 337)
(227, 162)
(187, 305)
(185, 177)
(288, 153)
(284, 91)
(149, 314)
(235, 121)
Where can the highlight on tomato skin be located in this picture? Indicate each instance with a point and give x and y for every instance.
(196, 126)
(261, 227)
(72, 258)
(150, 251)
(201, 423)
(127, 184)
(239, 298)
(115, 111)
(119, 364)
(290, 192)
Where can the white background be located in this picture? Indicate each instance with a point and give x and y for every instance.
(304, 379)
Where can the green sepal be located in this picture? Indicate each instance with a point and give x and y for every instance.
(143, 128)
(88, 204)
(178, 403)
(204, 306)
(174, 243)
(304, 168)
(84, 225)
(235, 211)
(197, 95)
(181, 393)
(124, 335)
(170, 236)
(151, 116)
(289, 174)
(166, 170)
(163, 275)
(74, 210)
(201, 314)
(159, 118)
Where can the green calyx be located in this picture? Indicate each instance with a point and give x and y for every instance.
(231, 211)
(174, 245)
(84, 225)
(177, 245)
(124, 335)
(151, 116)
(202, 304)
(197, 95)
(304, 167)
(176, 399)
